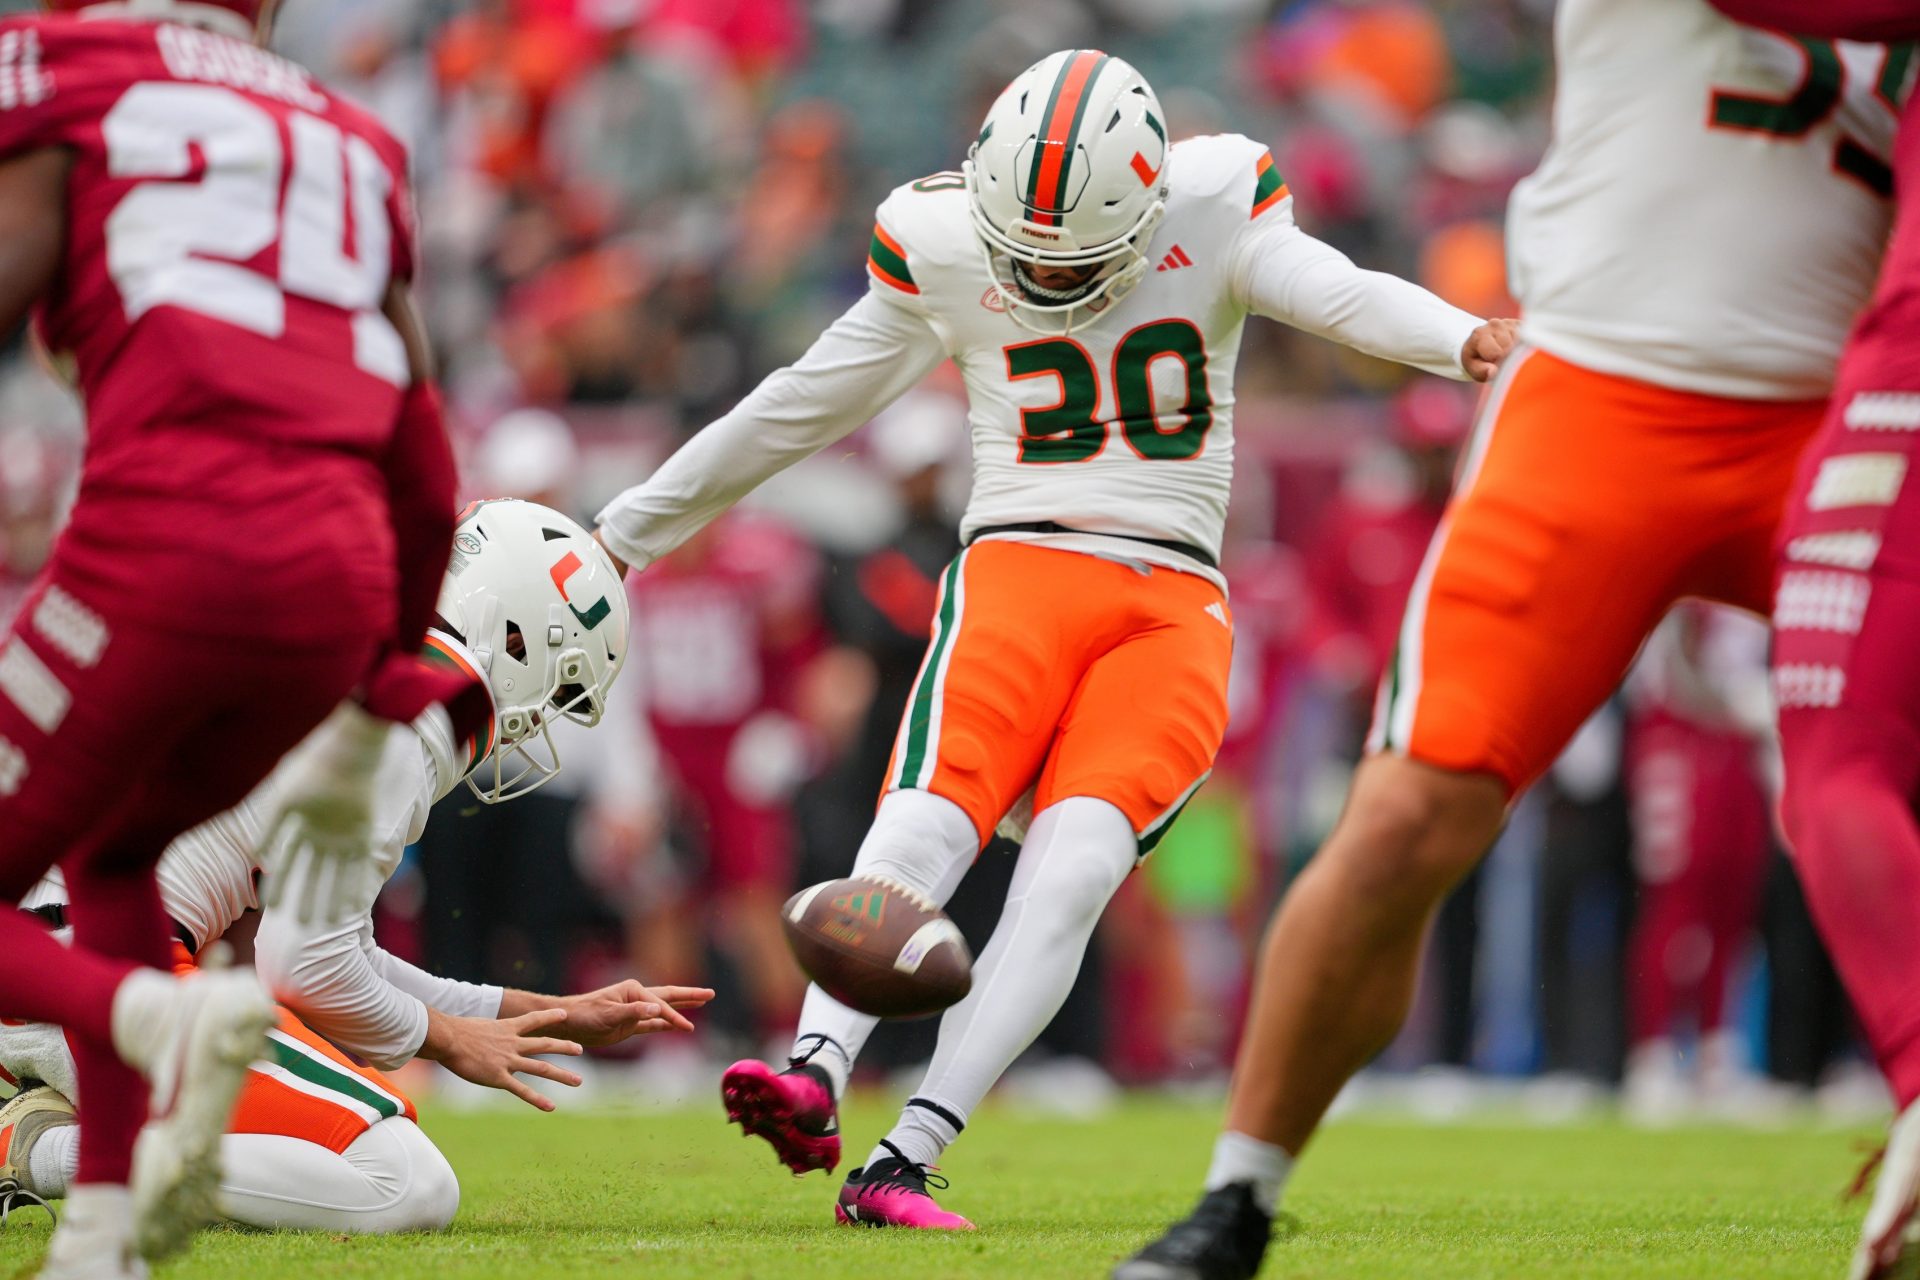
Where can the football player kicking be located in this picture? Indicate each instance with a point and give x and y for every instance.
(1702, 231)
(1091, 280)
(1846, 606)
(319, 1141)
(221, 249)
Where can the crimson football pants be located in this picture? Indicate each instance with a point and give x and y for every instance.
(115, 737)
(1847, 677)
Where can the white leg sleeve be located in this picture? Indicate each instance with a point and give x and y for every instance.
(391, 1179)
(1076, 857)
(923, 841)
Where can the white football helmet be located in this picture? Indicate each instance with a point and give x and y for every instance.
(1069, 171)
(537, 607)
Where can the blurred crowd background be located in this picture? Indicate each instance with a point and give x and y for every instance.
(633, 209)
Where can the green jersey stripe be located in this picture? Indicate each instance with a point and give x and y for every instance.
(889, 259)
(1268, 182)
(920, 711)
(317, 1071)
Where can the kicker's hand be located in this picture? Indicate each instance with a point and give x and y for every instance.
(619, 1012)
(489, 1051)
(318, 841)
(619, 566)
(1487, 346)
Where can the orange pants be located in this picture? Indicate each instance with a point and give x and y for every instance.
(1588, 504)
(1074, 675)
(305, 1088)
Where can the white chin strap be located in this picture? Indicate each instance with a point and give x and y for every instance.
(212, 17)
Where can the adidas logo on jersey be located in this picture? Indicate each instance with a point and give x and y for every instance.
(1176, 258)
(1218, 612)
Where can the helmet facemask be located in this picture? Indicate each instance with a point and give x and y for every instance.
(1120, 265)
(1069, 171)
(519, 577)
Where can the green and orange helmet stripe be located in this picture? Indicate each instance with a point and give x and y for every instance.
(437, 651)
(888, 261)
(1268, 187)
(1047, 181)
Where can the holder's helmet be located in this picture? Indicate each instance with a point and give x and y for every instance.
(537, 607)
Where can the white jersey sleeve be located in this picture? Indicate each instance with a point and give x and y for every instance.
(208, 876)
(865, 361)
(334, 977)
(1281, 272)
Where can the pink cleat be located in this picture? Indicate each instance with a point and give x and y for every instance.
(893, 1193)
(792, 1109)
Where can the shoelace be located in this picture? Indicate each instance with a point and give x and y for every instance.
(796, 1061)
(908, 1174)
(14, 1196)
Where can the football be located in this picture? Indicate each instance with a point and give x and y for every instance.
(879, 947)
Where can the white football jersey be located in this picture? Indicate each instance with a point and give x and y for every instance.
(1711, 213)
(1122, 427)
(1126, 425)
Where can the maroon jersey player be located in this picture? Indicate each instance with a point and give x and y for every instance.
(221, 248)
(1846, 611)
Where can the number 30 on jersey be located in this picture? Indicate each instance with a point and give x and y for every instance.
(1072, 430)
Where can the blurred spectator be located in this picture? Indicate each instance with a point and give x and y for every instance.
(725, 630)
(1702, 718)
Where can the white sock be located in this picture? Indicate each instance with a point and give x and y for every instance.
(1240, 1158)
(1077, 855)
(54, 1162)
(918, 839)
(143, 1006)
(817, 1049)
(925, 1130)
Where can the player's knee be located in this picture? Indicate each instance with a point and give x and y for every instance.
(1089, 848)
(432, 1197)
(1418, 831)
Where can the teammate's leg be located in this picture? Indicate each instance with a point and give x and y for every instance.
(1538, 590)
(1337, 970)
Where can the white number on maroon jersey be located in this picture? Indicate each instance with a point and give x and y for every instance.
(187, 244)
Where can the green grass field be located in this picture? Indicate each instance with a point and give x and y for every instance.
(624, 1194)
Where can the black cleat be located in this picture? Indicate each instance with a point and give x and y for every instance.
(1224, 1238)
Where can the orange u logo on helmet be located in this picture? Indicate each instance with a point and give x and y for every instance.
(568, 566)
